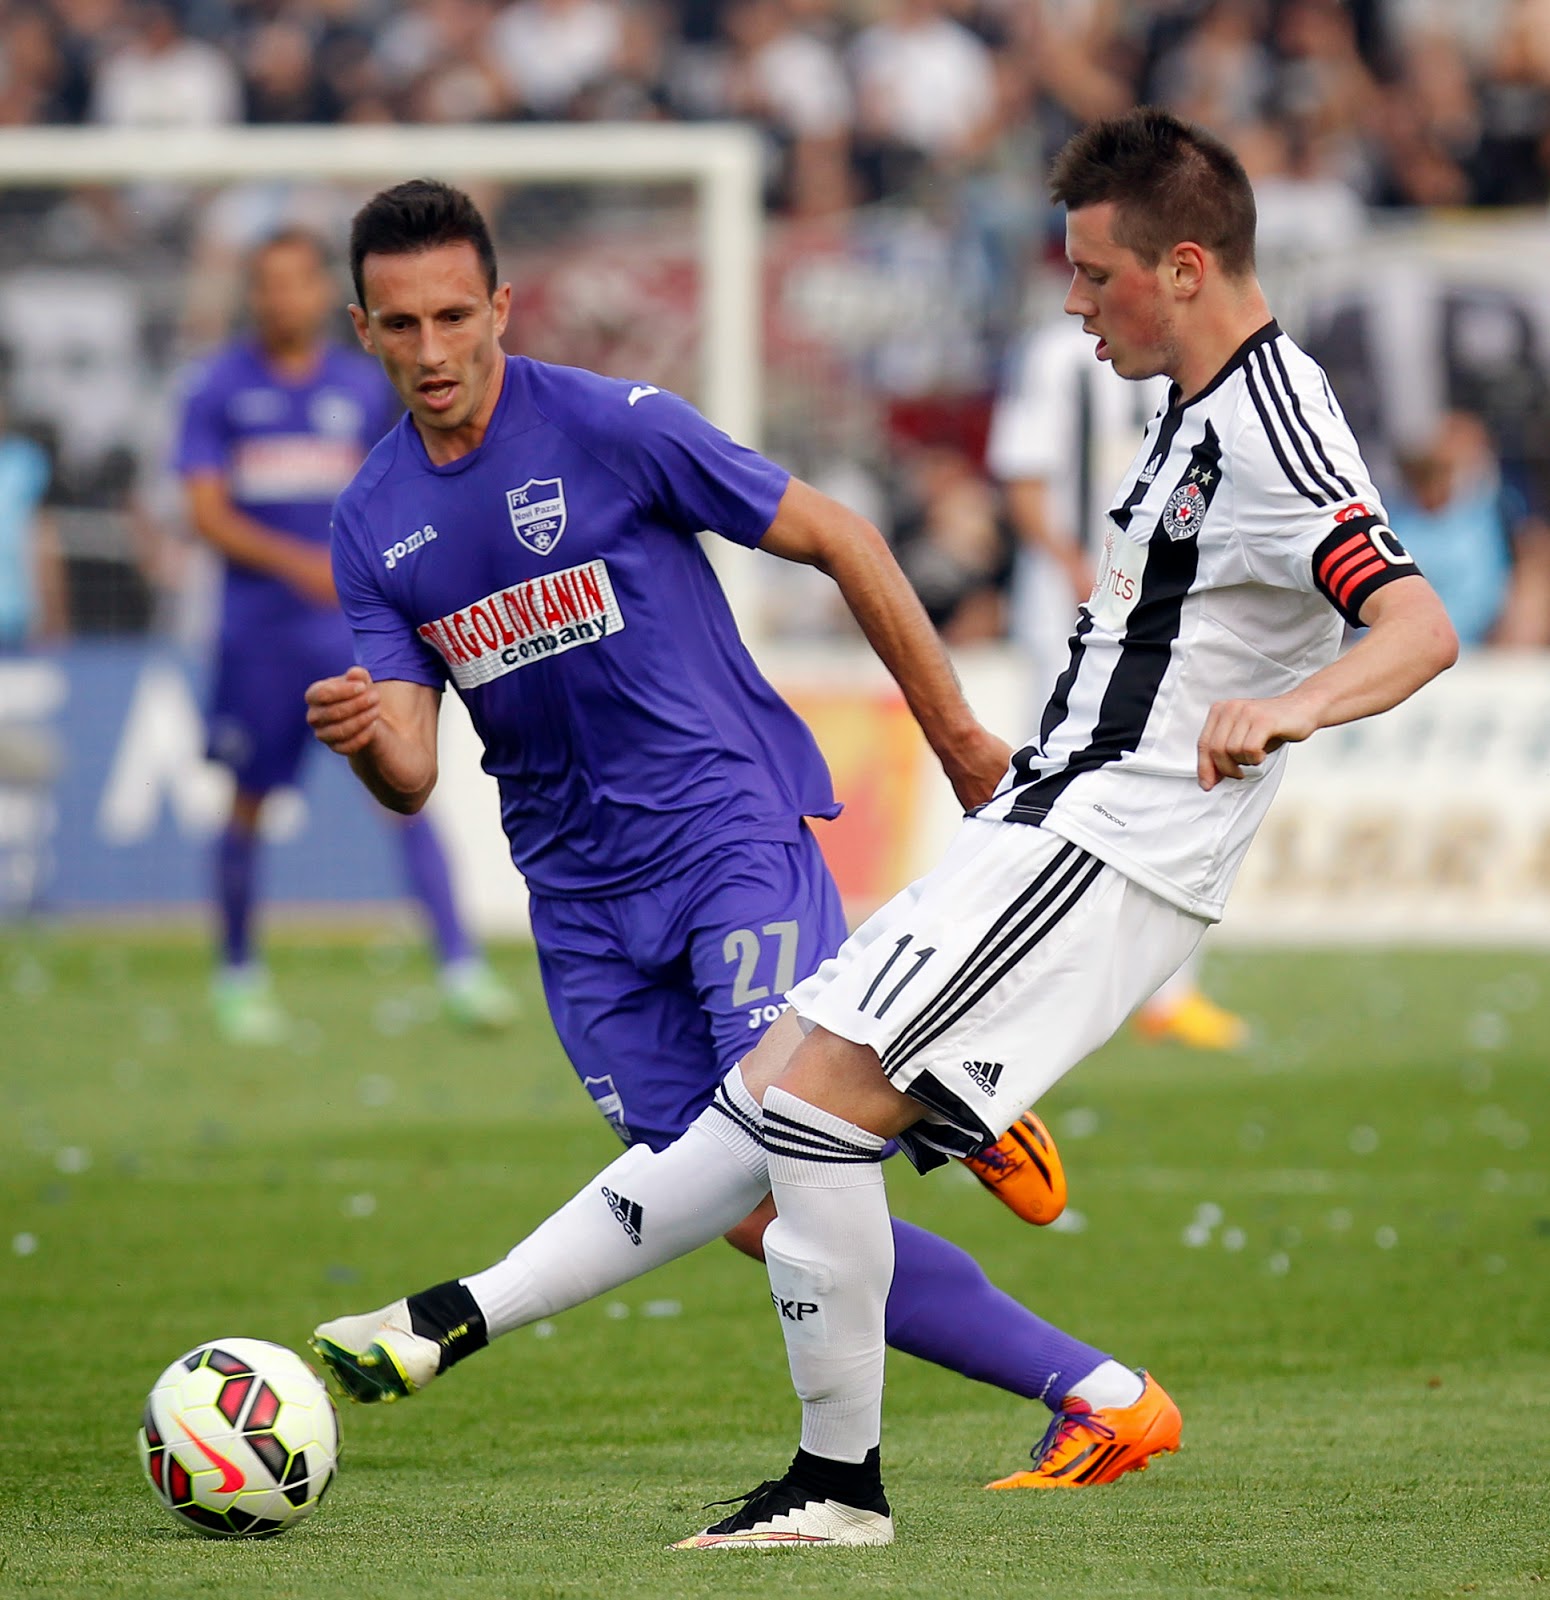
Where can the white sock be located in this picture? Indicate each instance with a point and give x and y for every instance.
(830, 1260)
(648, 1208)
(1108, 1385)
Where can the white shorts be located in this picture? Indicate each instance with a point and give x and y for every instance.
(987, 980)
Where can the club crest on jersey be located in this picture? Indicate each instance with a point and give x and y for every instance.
(538, 513)
(1185, 511)
(1191, 499)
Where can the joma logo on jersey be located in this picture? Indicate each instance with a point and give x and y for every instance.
(416, 540)
(538, 513)
(628, 1212)
(987, 1074)
(528, 622)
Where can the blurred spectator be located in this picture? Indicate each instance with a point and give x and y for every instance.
(793, 81)
(551, 51)
(281, 80)
(161, 78)
(33, 601)
(435, 54)
(1472, 537)
(1221, 72)
(41, 78)
(927, 90)
(955, 546)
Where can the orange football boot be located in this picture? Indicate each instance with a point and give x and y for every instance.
(1084, 1447)
(1193, 1020)
(1023, 1170)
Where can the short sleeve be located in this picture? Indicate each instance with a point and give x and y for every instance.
(1305, 507)
(386, 643)
(204, 441)
(1027, 431)
(698, 476)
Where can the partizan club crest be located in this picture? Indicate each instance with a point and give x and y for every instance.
(538, 513)
(1185, 511)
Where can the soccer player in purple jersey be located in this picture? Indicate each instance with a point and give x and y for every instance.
(531, 533)
(274, 426)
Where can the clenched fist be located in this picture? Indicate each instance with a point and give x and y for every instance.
(343, 712)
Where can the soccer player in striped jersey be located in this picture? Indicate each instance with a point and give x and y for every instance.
(1063, 430)
(1243, 540)
(530, 534)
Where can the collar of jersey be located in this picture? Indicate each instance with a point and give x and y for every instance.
(507, 406)
(1260, 336)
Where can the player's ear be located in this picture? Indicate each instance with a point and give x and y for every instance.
(1186, 269)
(500, 303)
(362, 328)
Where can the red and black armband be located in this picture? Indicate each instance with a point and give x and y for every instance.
(1357, 558)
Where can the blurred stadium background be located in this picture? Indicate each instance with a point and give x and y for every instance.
(822, 220)
(844, 268)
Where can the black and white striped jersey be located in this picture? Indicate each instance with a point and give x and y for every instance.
(1245, 534)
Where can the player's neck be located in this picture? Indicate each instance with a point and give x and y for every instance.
(1218, 332)
(294, 359)
(446, 445)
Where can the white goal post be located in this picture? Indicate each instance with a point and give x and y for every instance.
(722, 161)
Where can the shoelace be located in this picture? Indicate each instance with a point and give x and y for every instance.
(772, 1498)
(1062, 1425)
(994, 1159)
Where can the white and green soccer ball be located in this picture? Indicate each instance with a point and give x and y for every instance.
(240, 1439)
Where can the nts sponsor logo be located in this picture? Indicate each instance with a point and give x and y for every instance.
(987, 1074)
(528, 622)
(630, 1214)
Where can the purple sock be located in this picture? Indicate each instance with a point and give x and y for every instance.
(425, 867)
(236, 855)
(943, 1308)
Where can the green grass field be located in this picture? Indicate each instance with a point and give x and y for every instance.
(1361, 1345)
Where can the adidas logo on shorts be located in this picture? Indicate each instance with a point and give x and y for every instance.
(987, 1074)
(628, 1212)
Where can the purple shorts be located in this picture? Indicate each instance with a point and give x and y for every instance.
(657, 994)
(257, 722)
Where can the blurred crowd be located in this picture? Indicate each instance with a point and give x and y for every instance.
(910, 250)
(1407, 102)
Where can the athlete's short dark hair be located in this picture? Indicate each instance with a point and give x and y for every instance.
(1169, 181)
(291, 234)
(422, 214)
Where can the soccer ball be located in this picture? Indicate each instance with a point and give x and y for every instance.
(240, 1439)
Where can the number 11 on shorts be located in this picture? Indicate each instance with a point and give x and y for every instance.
(920, 958)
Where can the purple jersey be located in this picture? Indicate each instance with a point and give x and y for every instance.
(286, 447)
(555, 575)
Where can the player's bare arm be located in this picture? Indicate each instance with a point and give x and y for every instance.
(1028, 500)
(1408, 642)
(387, 730)
(811, 528)
(248, 543)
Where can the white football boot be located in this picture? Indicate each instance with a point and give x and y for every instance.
(377, 1356)
(784, 1515)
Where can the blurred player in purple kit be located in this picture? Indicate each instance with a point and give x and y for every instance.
(531, 533)
(273, 427)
